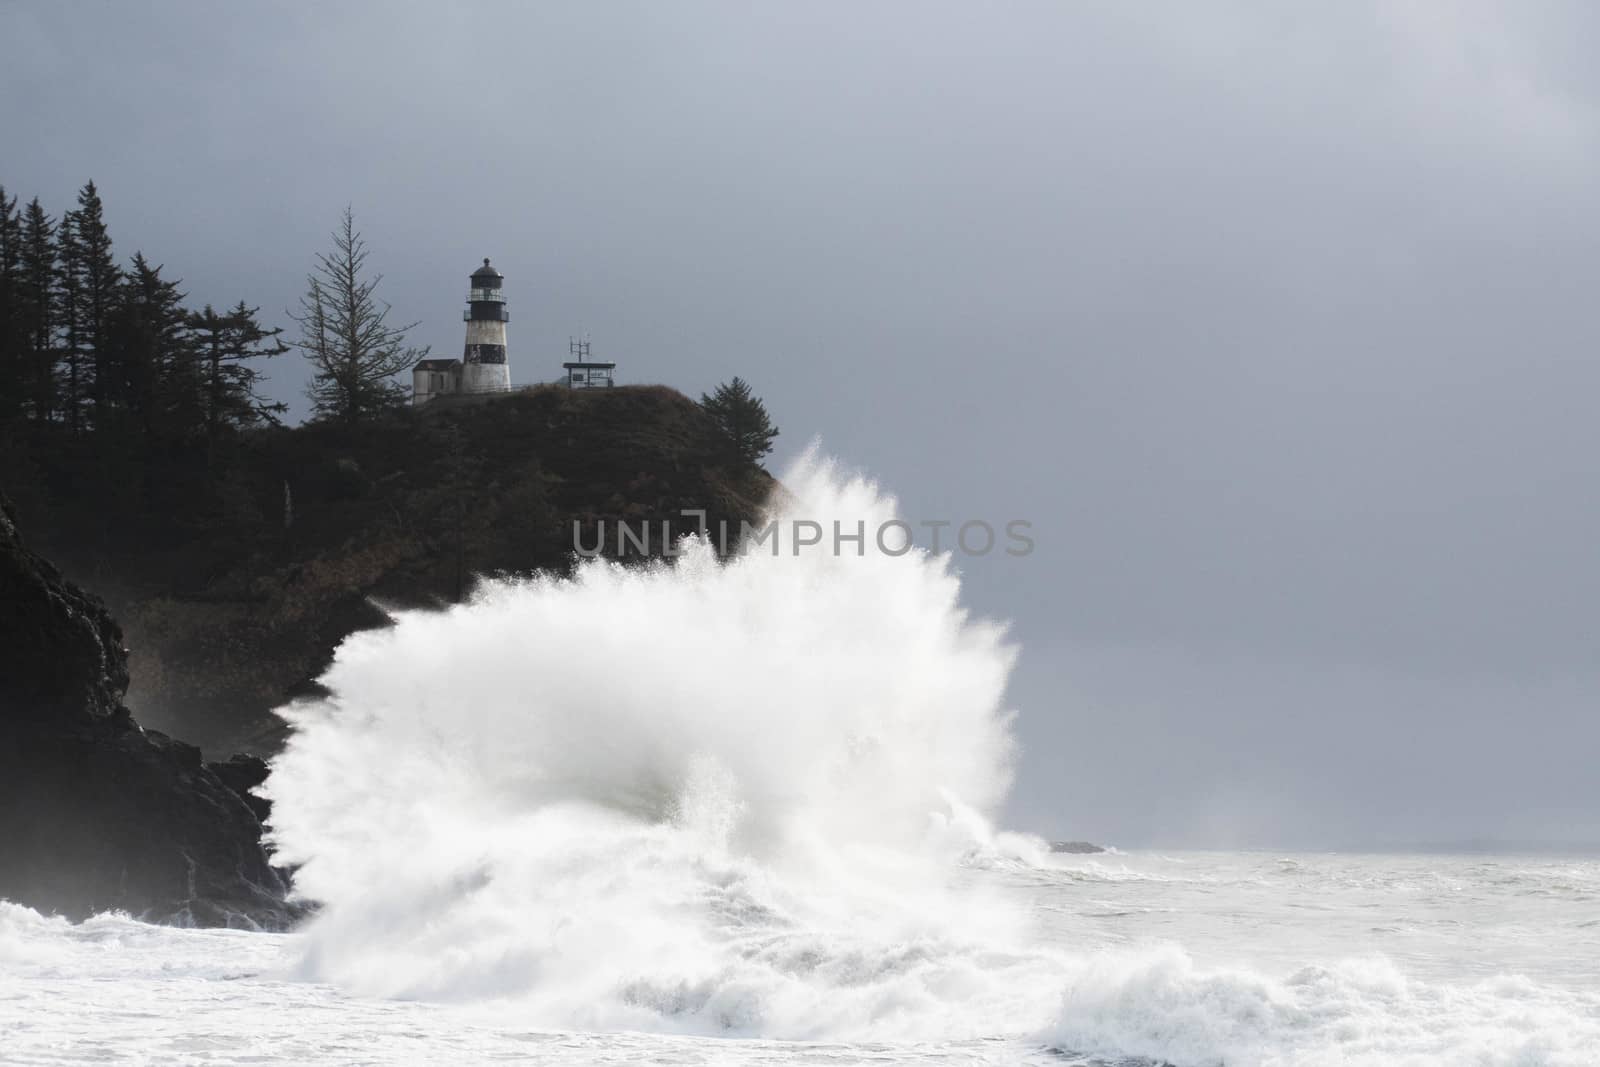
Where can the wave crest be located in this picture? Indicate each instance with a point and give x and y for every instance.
(719, 794)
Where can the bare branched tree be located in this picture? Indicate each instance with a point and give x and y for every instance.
(344, 332)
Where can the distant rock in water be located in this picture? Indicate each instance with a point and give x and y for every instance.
(1080, 848)
(96, 813)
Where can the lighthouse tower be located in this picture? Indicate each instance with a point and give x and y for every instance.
(483, 361)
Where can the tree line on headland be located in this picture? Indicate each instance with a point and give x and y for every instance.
(111, 351)
(98, 347)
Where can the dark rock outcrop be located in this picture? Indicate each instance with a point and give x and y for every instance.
(1076, 848)
(95, 812)
(242, 773)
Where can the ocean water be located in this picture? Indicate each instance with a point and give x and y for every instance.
(742, 812)
(1186, 958)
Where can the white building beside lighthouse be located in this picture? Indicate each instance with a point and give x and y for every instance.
(482, 367)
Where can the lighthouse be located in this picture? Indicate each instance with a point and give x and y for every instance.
(483, 360)
(482, 367)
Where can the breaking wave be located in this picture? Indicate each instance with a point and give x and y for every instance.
(754, 798)
(733, 795)
(1156, 1004)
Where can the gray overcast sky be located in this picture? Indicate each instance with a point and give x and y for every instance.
(1277, 321)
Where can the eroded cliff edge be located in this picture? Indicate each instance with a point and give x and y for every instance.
(97, 813)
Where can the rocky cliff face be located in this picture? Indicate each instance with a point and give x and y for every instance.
(95, 812)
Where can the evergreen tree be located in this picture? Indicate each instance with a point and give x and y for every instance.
(344, 332)
(74, 368)
(13, 348)
(86, 290)
(226, 345)
(744, 429)
(93, 296)
(149, 367)
(39, 283)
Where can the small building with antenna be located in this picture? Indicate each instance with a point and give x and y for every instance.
(482, 367)
(583, 372)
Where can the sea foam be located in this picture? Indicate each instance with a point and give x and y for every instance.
(727, 795)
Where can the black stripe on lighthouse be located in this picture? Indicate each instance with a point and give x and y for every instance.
(484, 354)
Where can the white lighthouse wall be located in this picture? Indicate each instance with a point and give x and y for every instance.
(485, 332)
(485, 378)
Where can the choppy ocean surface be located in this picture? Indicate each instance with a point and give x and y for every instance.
(738, 812)
(1191, 958)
